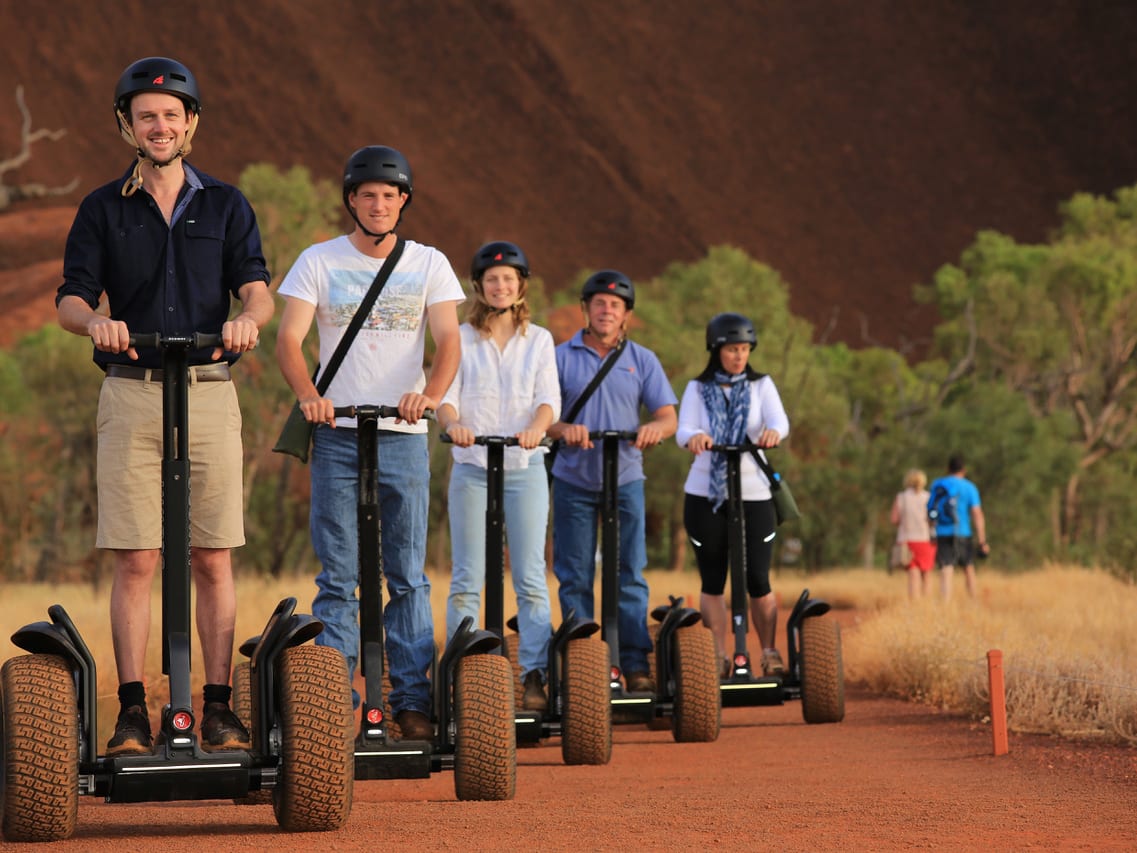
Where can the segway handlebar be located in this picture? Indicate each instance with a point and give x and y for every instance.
(156, 340)
(506, 440)
(622, 434)
(368, 409)
(740, 448)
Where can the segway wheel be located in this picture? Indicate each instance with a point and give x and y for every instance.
(513, 652)
(40, 731)
(243, 707)
(317, 770)
(586, 722)
(822, 671)
(697, 713)
(485, 743)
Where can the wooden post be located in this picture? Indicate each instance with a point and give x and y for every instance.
(998, 702)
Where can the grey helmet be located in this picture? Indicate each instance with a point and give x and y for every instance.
(730, 329)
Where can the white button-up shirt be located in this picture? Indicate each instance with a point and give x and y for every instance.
(497, 392)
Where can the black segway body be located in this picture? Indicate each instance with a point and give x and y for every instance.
(472, 690)
(820, 673)
(49, 696)
(577, 670)
(685, 675)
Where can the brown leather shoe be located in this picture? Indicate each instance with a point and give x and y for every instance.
(534, 698)
(414, 725)
(131, 733)
(639, 682)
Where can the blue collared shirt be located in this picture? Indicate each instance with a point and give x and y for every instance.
(174, 279)
(636, 380)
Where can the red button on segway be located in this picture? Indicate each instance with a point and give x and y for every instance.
(182, 721)
(374, 716)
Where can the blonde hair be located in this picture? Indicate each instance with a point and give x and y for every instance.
(480, 311)
(915, 479)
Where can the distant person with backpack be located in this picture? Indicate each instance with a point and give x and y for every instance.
(914, 531)
(961, 529)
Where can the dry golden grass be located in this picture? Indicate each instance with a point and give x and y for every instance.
(1066, 636)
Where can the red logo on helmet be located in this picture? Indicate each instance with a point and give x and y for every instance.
(611, 285)
(160, 80)
(497, 257)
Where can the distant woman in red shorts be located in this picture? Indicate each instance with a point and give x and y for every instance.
(910, 515)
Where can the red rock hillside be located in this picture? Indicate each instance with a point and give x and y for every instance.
(855, 147)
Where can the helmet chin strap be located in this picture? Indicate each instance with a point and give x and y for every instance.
(134, 182)
(378, 238)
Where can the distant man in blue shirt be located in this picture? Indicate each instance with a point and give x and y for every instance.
(953, 505)
(169, 258)
(636, 380)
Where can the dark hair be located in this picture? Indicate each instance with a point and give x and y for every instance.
(955, 463)
(714, 364)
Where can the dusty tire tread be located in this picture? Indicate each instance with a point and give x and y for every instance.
(822, 671)
(485, 748)
(40, 724)
(697, 715)
(586, 720)
(317, 771)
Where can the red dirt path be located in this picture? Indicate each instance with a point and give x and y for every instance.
(892, 776)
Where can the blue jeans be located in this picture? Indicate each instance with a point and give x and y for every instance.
(404, 497)
(526, 506)
(576, 513)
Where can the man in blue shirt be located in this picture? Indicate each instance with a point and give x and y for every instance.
(636, 380)
(954, 506)
(168, 259)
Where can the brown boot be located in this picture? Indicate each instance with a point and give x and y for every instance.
(639, 682)
(414, 725)
(534, 698)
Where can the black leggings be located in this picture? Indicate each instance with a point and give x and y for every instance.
(708, 532)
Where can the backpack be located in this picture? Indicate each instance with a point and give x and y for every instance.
(941, 507)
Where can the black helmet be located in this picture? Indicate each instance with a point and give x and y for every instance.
(156, 74)
(498, 254)
(730, 329)
(377, 163)
(610, 281)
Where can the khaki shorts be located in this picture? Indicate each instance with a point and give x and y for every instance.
(130, 465)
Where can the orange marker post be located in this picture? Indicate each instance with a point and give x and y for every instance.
(998, 702)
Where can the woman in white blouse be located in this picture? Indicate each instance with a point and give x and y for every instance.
(730, 403)
(506, 385)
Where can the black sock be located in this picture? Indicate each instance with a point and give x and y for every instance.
(218, 693)
(132, 693)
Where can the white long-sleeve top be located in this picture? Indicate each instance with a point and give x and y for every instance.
(766, 412)
(497, 392)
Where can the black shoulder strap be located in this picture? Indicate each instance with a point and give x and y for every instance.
(360, 315)
(600, 374)
(774, 478)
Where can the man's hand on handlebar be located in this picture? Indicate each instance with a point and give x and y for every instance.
(412, 405)
(318, 410)
(576, 435)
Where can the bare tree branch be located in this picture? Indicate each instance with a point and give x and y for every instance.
(11, 193)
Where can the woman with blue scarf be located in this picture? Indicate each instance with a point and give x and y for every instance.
(729, 403)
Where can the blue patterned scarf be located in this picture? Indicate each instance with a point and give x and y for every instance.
(728, 413)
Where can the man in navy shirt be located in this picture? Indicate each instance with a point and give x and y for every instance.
(169, 247)
(635, 381)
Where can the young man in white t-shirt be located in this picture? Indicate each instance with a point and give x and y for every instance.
(383, 366)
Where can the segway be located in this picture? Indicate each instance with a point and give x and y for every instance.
(815, 671)
(301, 749)
(686, 675)
(579, 709)
(472, 689)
